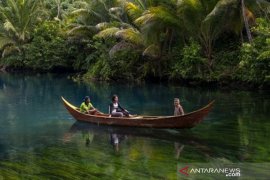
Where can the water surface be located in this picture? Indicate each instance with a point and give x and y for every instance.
(40, 140)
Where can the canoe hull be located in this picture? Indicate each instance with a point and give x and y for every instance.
(186, 121)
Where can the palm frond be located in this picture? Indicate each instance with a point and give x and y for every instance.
(85, 12)
(264, 55)
(8, 50)
(133, 10)
(80, 11)
(116, 10)
(5, 41)
(263, 2)
(107, 33)
(83, 31)
(19, 17)
(15, 7)
(121, 46)
(103, 25)
(130, 35)
(191, 13)
(221, 16)
(125, 25)
(153, 51)
(9, 27)
(160, 14)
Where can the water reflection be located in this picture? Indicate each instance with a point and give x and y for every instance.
(116, 139)
(116, 135)
(1, 84)
(178, 149)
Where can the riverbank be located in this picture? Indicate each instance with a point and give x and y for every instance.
(222, 84)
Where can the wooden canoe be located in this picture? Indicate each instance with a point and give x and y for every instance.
(188, 120)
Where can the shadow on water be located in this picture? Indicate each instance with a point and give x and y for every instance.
(117, 134)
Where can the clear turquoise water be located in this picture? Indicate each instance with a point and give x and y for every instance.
(40, 140)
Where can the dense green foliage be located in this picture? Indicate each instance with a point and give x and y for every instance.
(255, 57)
(208, 40)
(47, 49)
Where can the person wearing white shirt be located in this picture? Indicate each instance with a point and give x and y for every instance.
(116, 110)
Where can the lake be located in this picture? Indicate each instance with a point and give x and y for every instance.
(40, 140)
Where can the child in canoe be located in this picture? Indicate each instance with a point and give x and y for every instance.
(87, 107)
(178, 110)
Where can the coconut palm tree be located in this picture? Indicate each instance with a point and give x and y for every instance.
(121, 27)
(136, 28)
(153, 26)
(207, 20)
(89, 17)
(17, 21)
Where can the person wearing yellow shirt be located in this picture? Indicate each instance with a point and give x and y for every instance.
(87, 107)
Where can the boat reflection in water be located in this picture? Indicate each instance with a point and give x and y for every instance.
(118, 134)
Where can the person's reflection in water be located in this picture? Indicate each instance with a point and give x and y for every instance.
(88, 136)
(178, 149)
(116, 139)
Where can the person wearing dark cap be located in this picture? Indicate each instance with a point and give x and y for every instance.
(87, 107)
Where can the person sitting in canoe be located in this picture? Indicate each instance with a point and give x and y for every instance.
(116, 110)
(178, 110)
(87, 107)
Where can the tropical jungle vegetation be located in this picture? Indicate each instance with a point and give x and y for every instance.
(201, 40)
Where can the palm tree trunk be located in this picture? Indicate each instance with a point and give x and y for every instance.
(171, 39)
(166, 41)
(58, 9)
(241, 36)
(207, 43)
(209, 57)
(246, 21)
